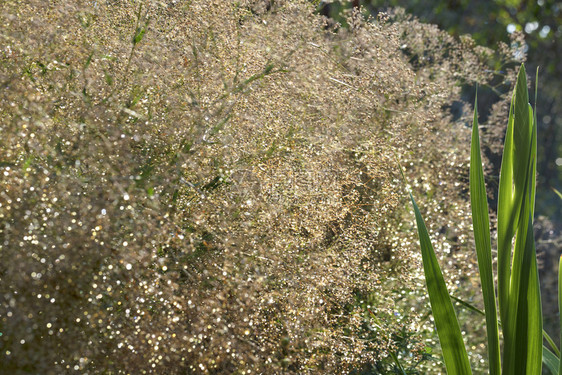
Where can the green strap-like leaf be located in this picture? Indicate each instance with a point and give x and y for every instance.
(533, 158)
(545, 335)
(551, 361)
(523, 348)
(521, 131)
(551, 343)
(518, 283)
(454, 352)
(506, 221)
(513, 177)
(534, 144)
(481, 225)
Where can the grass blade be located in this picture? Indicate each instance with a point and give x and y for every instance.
(518, 285)
(529, 315)
(534, 143)
(521, 131)
(550, 341)
(557, 193)
(523, 345)
(513, 174)
(454, 352)
(481, 225)
(506, 220)
(533, 158)
(475, 309)
(398, 364)
(551, 361)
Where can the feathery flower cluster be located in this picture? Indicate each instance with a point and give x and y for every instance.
(212, 186)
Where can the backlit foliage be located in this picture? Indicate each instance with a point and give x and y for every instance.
(212, 187)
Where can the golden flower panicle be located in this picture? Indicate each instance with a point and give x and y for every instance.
(211, 186)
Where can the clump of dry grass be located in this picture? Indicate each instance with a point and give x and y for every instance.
(211, 186)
